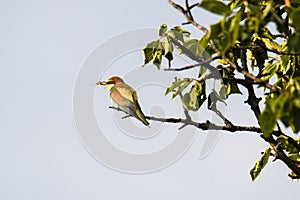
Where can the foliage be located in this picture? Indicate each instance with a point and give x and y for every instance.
(260, 164)
(242, 35)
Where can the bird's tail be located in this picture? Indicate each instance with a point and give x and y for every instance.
(135, 110)
(142, 117)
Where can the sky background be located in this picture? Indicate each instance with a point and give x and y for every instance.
(43, 46)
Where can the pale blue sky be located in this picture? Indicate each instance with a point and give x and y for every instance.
(43, 46)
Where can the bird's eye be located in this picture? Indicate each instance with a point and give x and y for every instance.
(110, 82)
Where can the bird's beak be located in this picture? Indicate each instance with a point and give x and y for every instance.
(101, 83)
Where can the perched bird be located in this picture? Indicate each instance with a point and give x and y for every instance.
(125, 97)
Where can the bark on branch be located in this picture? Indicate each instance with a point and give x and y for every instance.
(253, 100)
(213, 46)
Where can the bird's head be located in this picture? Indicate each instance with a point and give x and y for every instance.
(112, 81)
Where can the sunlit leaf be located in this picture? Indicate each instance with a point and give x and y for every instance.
(215, 7)
(195, 98)
(162, 29)
(260, 164)
(148, 52)
(295, 157)
(178, 86)
(268, 71)
(284, 141)
(235, 26)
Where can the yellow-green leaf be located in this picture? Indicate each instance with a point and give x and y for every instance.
(260, 164)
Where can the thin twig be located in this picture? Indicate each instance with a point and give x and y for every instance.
(182, 10)
(252, 99)
(188, 9)
(193, 5)
(192, 56)
(229, 126)
(213, 46)
(252, 47)
(193, 66)
(280, 52)
(279, 36)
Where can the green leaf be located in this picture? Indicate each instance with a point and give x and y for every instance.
(185, 83)
(294, 14)
(268, 8)
(260, 164)
(174, 85)
(251, 58)
(215, 30)
(293, 42)
(254, 24)
(294, 157)
(284, 63)
(157, 60)
(148, 52)
(268, 71)
(232, 88)
(235, 4)
(255, 10)
(202, 71)
(194, 46)
(168, 50)
(204, 41)
(235, 26)
(162, 30)
(213, 98)
(158, 52)
(291, 118)
(178, 33)
(195, 98)
(153, 51)
(224, 41)
(287, 105)
(284, 141)
(267, 120)
(178, 86)
(270, 43)
(284, 107)
(215, 7)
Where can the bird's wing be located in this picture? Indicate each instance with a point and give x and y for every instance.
(127, 92)
(127, 100)
(134, 96)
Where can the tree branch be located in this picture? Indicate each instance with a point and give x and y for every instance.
(192, 56)
(252, 100)
(213, 46)
(188, 9)
(283, 157)
(193, 66)
(182, 10)
(251, 47)
(204, 125)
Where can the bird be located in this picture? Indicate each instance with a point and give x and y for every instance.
(125, 97)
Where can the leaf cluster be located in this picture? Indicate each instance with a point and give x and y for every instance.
(243, 36)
